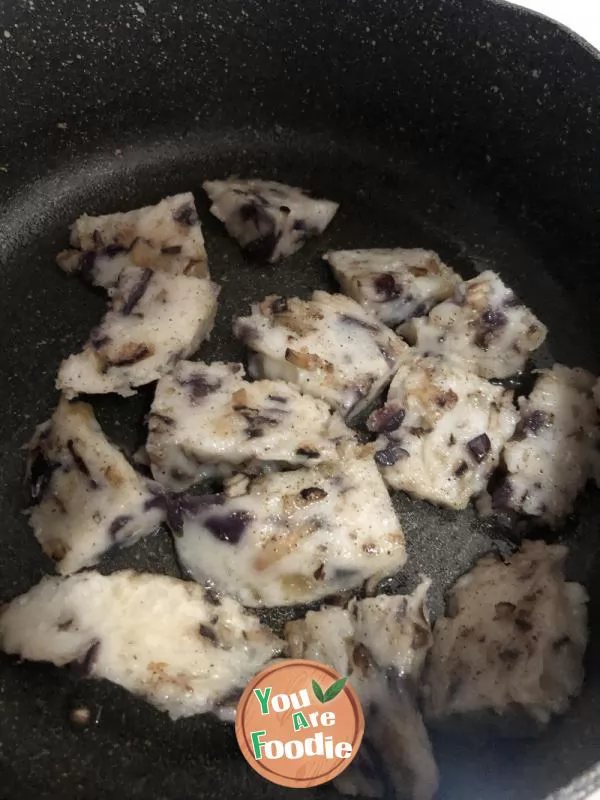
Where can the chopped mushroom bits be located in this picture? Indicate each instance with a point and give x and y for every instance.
(165, 237)
(395, 284)
(269, 220)
(381, 643)
(441, 431)
(512, 641)
(483, 324)
(158, 637)
(553, 451)
(154, 319)
(87, 497)
(292, 537)
(207, 419)
(328, 346)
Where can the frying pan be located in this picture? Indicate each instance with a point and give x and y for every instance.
(467, 127)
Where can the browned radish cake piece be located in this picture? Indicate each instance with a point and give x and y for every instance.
(381, 643)
(441, 430)
(154, 319)
(269, 220)
(553, 451)
(395, 284)
(87, 496)
(207, 419)
(511, 645)
(166, 237)
(100, 268)
(326, 635)
(328, 346)
(483, 324)
(292, 537)
(158, 637)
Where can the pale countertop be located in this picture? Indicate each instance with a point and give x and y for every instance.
(582, 16)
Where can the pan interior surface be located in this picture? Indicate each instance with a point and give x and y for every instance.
(388, 198)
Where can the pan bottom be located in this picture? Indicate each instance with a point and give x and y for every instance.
(387, 199)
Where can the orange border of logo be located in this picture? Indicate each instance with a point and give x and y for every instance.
(346, 702)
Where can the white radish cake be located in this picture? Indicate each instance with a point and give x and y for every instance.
(326, 635)
(328, 346)
(483, 324)
(87, 496)
(553, 451)
(269, 220)
(511, 645)
(382, 631)
(166, 237)
(441, 430)
(292, 537)
(395, 284)
(381, 643)
(207, 419)
(154, 319)
(163, 639)
(100, 268)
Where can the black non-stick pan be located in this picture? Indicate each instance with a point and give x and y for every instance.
(468, 127)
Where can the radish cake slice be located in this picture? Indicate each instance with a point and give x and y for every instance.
(328, 346)
(100, 268)
(292, 537)
(206, 420)
(483, 324)
(87, 496)
(326, 635)
(511, 645)
(552, 453)
(154, 319)
(165, 237)
(269, 220)
(381, 643)
(163, 639)
(395, 284)
(441, 431)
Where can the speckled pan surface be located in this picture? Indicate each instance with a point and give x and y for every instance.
(467, 127)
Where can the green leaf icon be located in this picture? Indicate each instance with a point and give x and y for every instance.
(334, 689)
(331, 693)
(318, 692)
